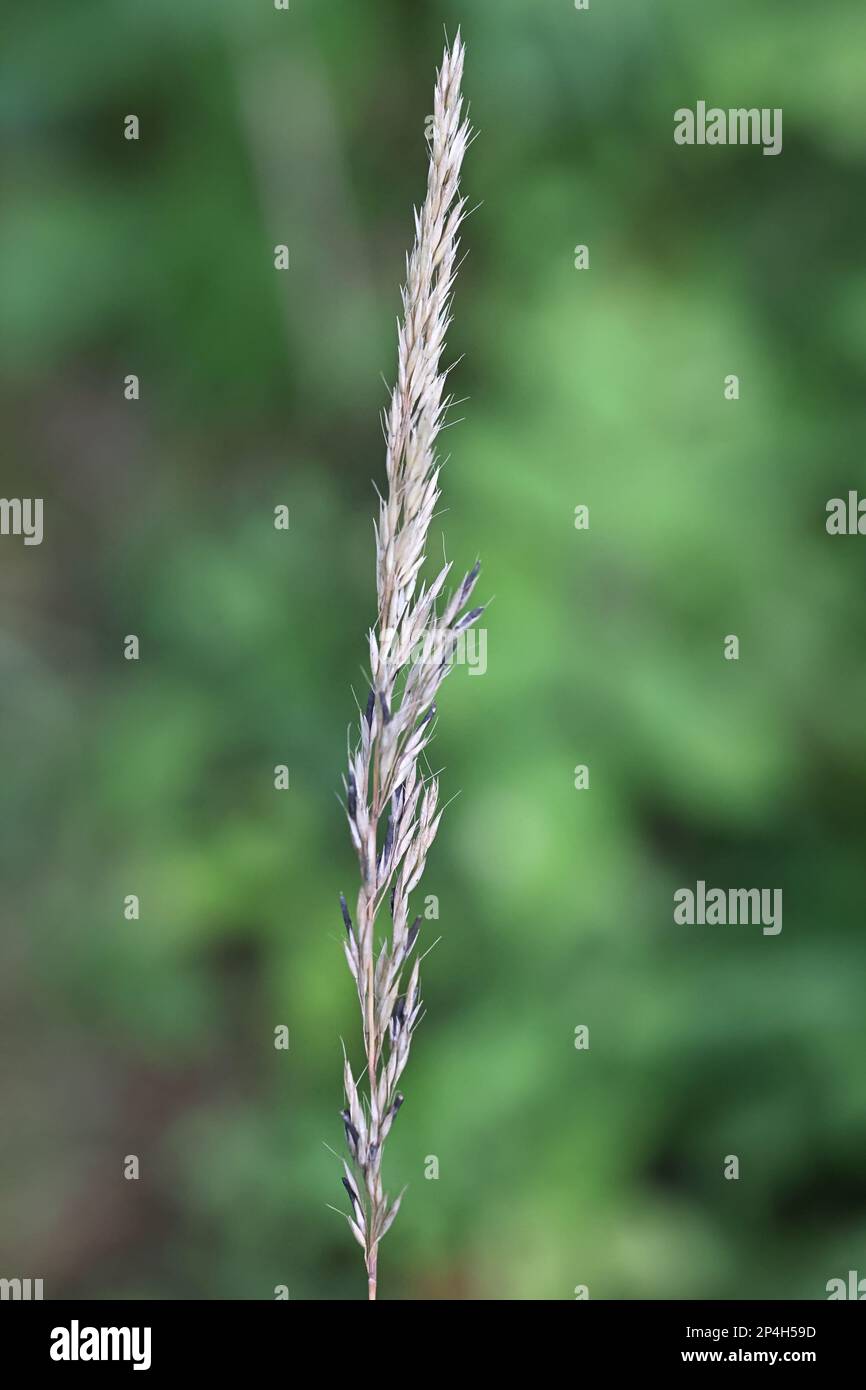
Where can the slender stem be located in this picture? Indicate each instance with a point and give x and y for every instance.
(371, 1279)
(371, 989)
(371, 1019)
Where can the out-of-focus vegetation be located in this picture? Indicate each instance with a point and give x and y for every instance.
(602, 387)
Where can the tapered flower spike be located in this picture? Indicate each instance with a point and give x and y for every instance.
(390, 806)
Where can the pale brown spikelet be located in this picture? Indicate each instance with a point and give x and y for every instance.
(391, 805)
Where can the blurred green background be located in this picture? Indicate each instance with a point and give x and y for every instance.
(602, 387)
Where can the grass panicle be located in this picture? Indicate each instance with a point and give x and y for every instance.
(391, 805)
